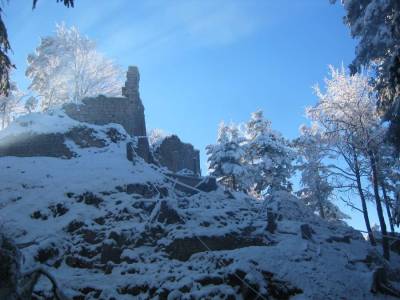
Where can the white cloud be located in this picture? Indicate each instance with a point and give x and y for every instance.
(180, 24)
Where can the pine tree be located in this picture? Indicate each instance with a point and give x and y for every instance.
(226, 156)
(268, 156)
(10, 106)
(376, 26)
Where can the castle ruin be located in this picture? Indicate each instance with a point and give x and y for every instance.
(128, 111)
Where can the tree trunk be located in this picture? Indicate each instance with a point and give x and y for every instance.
(363, 201)
(387, 205)
(233, 182)
(379, 210)
(320, 206)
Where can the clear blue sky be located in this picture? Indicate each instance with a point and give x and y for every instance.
(203, 61)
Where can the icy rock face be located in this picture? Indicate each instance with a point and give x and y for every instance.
(177, 156)
(55, 135)
(109, 229)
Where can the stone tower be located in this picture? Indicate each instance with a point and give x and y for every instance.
(131, 91)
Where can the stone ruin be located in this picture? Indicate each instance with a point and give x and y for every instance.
(127, 111)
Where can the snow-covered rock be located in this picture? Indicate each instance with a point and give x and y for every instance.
(106, 228)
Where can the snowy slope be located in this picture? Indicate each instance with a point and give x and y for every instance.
(109, 229)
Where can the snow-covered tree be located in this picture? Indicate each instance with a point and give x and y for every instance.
(388, 166)
(225, 158)
(10, 106)
(376, 26)
(268, 156)
(67, 67)
(317, 190)
(346, 112)
(156, 136)
(31, 104)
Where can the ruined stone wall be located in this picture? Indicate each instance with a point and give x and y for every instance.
(127, 111)
(104, 110)
(176, 155)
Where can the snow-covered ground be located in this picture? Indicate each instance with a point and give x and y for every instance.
(110, 229)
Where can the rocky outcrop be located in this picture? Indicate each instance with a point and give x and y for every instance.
(51, 144)
(177, 156)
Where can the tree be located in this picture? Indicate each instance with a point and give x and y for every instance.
(347, 113)
(389, 168)
(66, 67)
(5, 62)
(268, 156)
(226, 156)
(376, 26)
(30, 104)
(10, 106)
(316, 190)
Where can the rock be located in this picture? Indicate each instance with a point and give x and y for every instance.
(45, 254)
(100, 220)
(339, 239)
(145, 190)
(115, 136)
(119, 238)
(150, 236)
(209, 184)
(306, 232)
(381, 284)
(30, 144)
(58, 210)
(89, 291)
(90, 199)
(74, 225)
(183, 249)
(92, 237)
(84, 137)
(86, 252)
(271, 221)
(78, 262)
(142, 148)
(110, 253)
(395, 246)
(39, 215)
(280, 289)
(130, 151)
(207, 280)
(133, 290)
(9, 268)
(51, 145)
(167, 214)
(175, 155)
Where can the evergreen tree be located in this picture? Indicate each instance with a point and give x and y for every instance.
(226, 156)
(10, 106)
(376, 26)
(268, 156)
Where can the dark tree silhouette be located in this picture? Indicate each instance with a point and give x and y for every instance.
(376, 27)
(5, 48)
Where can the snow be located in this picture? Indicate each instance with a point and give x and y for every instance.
(40, 123)
(321, 269)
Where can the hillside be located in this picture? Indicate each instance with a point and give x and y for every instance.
(108, 228)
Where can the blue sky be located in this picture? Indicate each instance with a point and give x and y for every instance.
(203, 61)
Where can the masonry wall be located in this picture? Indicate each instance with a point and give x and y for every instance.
(104, 110)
